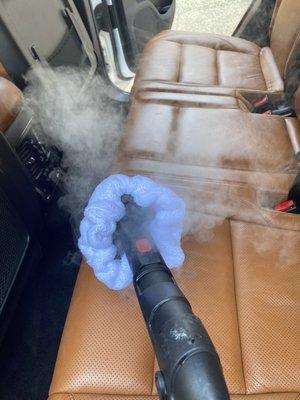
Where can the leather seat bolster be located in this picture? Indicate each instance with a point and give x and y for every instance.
(285, 33)
(293, 128)
(270, 71)
(11, 99)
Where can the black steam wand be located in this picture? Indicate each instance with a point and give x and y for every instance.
(190, 368)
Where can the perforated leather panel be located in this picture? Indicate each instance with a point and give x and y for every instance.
(272, 396)
(268, 298)
(245, 294)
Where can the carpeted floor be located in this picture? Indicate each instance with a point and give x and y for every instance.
(28, 352)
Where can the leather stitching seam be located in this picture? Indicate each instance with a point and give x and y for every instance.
(231, 49)
(179, 64)
(217, 67)
(236, 303)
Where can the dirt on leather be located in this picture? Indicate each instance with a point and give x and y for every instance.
(216, 16)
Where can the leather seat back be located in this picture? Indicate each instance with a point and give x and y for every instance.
(297, 102)
(285, 36)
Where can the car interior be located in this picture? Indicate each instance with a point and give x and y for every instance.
(214, 117)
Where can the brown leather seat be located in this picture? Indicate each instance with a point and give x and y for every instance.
(10, 102)
(243, 283)
(223, 61)
(212, 150)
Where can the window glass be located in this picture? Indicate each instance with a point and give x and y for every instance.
(215, 16)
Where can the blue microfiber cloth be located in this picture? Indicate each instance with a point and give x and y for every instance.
(105, 209)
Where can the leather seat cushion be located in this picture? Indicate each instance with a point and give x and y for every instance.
(187, 130)
(208, 60)
(243, 283)
(218, 156)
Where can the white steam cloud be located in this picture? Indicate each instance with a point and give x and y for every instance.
(86, 127)
(81, 122)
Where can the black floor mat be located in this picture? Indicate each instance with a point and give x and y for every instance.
(28, 352)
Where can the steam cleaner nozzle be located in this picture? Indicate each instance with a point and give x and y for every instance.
(165, 212)
(190, 366)
(148, 219)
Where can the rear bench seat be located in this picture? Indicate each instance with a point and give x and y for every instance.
(223, 61)
(242, 279)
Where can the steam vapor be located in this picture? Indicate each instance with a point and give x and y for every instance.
(82, 123)
(86, 127)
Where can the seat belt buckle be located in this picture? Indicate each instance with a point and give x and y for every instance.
(288, 206)
(262, 101)
(263, 105)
